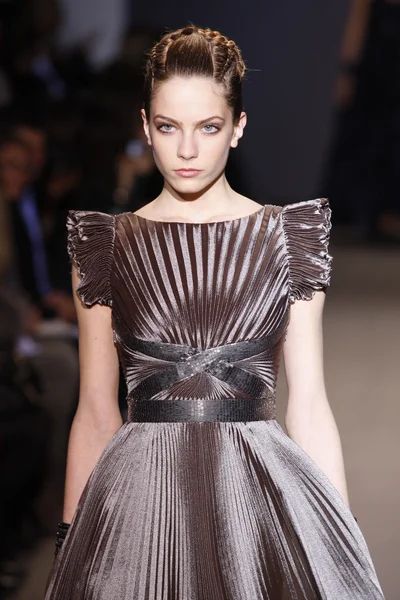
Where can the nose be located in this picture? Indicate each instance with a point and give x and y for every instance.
(187, 148)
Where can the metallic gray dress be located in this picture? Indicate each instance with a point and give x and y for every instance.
(200, 495)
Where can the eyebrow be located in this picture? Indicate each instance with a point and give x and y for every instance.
(198, 123)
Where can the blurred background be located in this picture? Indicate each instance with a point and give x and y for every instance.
(323, 100)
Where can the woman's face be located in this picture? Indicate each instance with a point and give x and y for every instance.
(191, 127)
(14, 170)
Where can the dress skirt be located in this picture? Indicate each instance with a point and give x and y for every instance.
(210, 511)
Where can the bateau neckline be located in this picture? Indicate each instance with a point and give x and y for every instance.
(253, 214)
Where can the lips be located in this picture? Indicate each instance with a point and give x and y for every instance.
(187, 172)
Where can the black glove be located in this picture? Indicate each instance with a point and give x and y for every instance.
(62, 530)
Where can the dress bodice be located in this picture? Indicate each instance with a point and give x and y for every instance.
(178, 291)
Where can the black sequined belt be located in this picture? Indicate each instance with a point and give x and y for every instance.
(252, 399)
(189, 409)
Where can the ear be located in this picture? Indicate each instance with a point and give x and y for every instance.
(238, 130)
(146, 126)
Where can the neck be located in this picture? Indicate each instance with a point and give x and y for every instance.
(217, 199)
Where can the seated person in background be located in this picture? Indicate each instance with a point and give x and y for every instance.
(17, 177)
(25, 270)
(62, 192)
(25, 442)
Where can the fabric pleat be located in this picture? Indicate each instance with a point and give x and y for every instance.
(306, 227)
(212, 510)
(90, 241)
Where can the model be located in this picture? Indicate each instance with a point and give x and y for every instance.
(200, 494)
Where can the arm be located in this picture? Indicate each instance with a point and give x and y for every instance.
(98, 416)
(351, 49)
(355, 31)
(309, 419)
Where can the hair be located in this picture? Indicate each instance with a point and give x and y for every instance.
(192, 51)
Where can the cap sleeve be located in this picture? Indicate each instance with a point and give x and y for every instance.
(306, 227)
(90, 245)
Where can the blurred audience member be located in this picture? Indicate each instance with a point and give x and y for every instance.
(363, 180)
(137, 180)
(34, 136)
(50, 351)
(71, 137)
(25, 435)
(62, 193)
(22, 160)
(14, 176)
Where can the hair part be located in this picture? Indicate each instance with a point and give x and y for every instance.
(195, 52)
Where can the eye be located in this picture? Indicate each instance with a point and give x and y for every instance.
(213, 126)
(163, 126)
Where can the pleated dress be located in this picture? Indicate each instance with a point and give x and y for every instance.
(200, 494)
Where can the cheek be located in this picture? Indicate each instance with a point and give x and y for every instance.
(163, 153)
(161, 145)
(218, 147)
(214, 149)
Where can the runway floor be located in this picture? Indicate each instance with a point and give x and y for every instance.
(362, 366)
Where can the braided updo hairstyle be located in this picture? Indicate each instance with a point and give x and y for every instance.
(192, 51)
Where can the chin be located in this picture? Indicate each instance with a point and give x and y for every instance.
(188, 185)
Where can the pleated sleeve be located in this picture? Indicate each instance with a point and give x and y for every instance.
(90, 245)
(306, 227)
